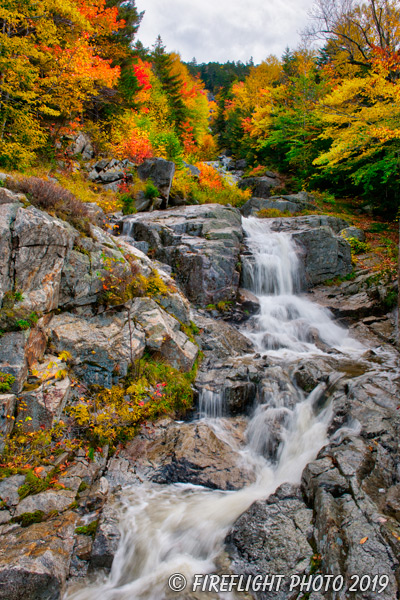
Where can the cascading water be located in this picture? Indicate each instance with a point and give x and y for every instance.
(180, 528)
(287, 322)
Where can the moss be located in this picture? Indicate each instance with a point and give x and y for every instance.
(28, 518)
(33, 485)
(82, 487)
(88, 529)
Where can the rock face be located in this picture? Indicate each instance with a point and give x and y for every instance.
(200, 243)
(102, 347)
(161, 172)
(324, 253)
(292, 203)
(40, 244)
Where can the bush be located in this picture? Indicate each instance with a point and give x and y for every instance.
(56, 200)
(358, 247)
(6, 382)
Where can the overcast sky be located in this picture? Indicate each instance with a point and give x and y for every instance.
(221, 30)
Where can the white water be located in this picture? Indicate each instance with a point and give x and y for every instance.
(287, 323)
(180, 528)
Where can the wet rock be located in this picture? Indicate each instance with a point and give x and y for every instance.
(34, 561)
(46, 502)
(272, 536)
(102, 347)
(161, 172)
(107, 537)
(236, 391)
(9, 489)
(163, 334)
(248, 302)
(7, 408)
(192, 453)
(200, 243)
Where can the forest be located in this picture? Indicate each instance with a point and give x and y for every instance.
(327, 117)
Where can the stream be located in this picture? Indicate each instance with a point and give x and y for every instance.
(180, 528)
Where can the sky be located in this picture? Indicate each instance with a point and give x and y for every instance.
(222, 30)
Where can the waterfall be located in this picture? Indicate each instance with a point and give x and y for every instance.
(287, 322)
(180, 528)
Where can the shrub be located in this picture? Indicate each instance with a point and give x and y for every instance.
(150, 191)
(56, 200)
(358, 247)
(6, 382)
(272, 213)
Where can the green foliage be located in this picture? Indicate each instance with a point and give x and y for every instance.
(33, 485)
(152, 390)
(88, 529)
(340, 279)
(6, 382)
(27, 518)
(358, 247)
(150, 191)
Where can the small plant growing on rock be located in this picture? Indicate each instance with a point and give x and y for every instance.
(6, 382)
(150, 191)
(272, 213)
(88, 529)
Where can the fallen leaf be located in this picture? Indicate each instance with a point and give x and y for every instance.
(363, 540)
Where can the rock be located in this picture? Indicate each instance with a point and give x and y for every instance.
(107, 538)
(8, 213)
(102, 347)
(353, 232)
(40, 244)
(45, 405)
(80, 285)
(161, 172)
(260, 186)
(8, 197)
(191, 453)
(326, 255)
(121, 472)
(272, 537)
(241, 164)
(101, 164)
(236, 391)
(292, 203)
(218, 339)
(111, 175)
(175, 304)
(9, 489)
(34, 561)
(194, 171)
(163, 334)
(13, 360)
(200, 243)
(248, 302)
(83, 146)
(7, 408)
(46, 502)
(304, 223)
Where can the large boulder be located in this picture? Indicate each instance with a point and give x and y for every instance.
(323, 252)
(272, 537)
(102, 347)
(260, 186)
(192, 453)
(161, 172)
(200, 243)
(8, 212)
(292, 203)
(34, 561)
